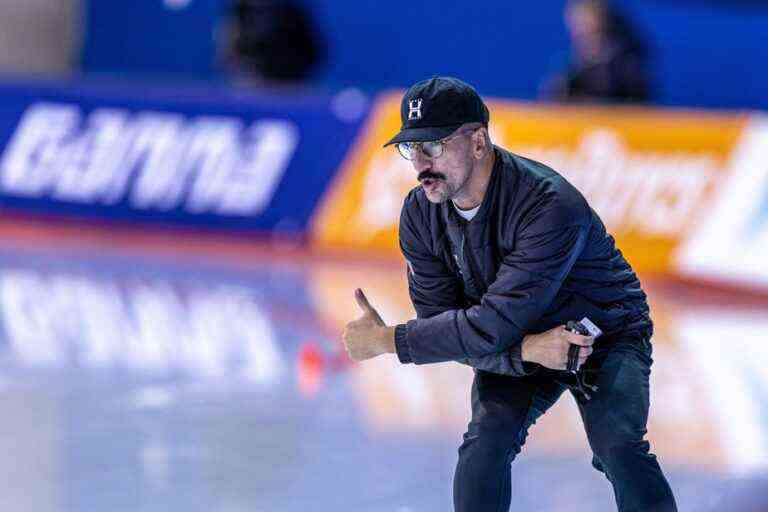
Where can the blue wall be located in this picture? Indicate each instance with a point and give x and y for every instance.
(707, 53)
(712, 54)
(149, 38)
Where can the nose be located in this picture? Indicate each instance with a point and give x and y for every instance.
(420, 161)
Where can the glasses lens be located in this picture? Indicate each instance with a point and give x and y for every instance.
(406, 149)
(432, 149)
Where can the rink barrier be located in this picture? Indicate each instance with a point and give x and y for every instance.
(654, 176)
(684, 193)
(212, 159)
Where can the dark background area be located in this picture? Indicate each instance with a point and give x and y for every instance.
(704, 53)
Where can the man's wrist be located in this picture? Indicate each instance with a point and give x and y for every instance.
(402, 349)
(523, 350)
(387, 337)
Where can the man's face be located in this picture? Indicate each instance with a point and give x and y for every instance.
(585, 22)
(443, 177)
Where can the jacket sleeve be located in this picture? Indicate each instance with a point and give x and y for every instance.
(548, 240)
(434, 289)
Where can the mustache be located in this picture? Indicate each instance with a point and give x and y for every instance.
(429, 175)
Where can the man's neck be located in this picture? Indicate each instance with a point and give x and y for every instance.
(477, 184)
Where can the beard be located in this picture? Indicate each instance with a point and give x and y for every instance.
(435, 186)
(439, 188)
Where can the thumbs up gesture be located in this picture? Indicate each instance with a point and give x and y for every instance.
(368, 336)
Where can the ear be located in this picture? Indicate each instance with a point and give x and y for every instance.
(479, 143)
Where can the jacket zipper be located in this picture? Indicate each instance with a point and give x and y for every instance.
(473, 271)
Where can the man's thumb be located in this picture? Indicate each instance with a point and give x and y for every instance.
(362, 301)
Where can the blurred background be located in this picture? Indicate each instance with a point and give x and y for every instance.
(190, 191)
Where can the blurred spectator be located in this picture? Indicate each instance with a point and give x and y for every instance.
(272, 41)
(608, 59)
(39, 36)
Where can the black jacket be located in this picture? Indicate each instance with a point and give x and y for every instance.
(534, 256)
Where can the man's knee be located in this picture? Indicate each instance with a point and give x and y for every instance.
(490, 445)
(613, 454)
(597, 464)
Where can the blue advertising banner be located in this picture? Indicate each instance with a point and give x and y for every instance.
(212, 158)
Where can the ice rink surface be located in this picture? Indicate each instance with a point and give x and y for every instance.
(163, 384)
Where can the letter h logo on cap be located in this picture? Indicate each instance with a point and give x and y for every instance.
(414, 109)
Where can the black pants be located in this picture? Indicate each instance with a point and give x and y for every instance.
(503, 408)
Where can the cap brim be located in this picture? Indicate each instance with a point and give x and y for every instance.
(423, 134)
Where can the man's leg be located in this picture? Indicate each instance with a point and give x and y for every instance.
(503, 408)
(615, 420)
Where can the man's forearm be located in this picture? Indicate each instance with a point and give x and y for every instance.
(507, 362)
(453, 335)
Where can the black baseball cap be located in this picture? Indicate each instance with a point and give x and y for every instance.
(433, 109)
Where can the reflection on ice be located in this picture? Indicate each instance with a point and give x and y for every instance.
(156, 325)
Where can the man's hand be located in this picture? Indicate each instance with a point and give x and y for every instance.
(550, 348)
(368, 336)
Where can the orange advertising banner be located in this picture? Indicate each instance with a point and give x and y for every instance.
(650, 174)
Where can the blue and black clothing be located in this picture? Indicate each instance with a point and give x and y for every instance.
(534, 257)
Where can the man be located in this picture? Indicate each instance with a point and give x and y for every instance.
(271, 41)
(501, 252)
(609, 61)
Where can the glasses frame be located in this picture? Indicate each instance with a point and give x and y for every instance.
(441, 142)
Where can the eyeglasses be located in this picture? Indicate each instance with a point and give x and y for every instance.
(431, 149)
